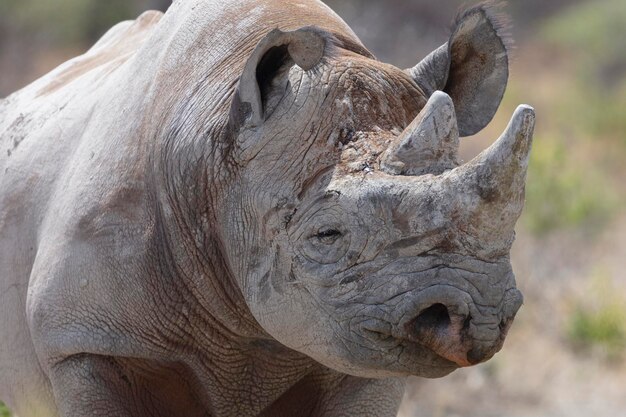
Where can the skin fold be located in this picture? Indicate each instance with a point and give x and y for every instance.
(234, 209)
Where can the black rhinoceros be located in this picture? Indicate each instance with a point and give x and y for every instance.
(234, 209)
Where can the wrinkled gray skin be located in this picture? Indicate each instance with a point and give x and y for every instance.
(235, 210)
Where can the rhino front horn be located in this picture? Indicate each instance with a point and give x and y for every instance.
(490, 188)
(429, 144)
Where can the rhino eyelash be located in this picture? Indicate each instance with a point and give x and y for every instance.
(328, 236)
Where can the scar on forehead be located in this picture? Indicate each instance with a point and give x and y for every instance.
(376, 96)
(369, 106)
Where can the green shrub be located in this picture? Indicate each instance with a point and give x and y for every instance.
(66, 22)
(599, 322)
(560, 193)
(588, 33)
(591, 30)
(4, 411)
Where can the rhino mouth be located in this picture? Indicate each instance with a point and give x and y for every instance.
(409, 353)
(453, 333)
(445, 350)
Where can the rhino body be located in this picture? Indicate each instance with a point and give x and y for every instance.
(235, 210)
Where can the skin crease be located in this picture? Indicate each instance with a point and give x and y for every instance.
(165, 252)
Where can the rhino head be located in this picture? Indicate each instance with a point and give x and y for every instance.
(359, 240)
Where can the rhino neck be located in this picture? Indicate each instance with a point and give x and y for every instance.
(225, 350)
(267, 370)
(191, 251)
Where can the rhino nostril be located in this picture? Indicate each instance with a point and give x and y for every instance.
(435, 317)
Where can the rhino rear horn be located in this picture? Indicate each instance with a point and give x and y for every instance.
(429, 144)
(304, 47)
(472, 67)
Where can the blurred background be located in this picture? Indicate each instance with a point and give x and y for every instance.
(566, 353)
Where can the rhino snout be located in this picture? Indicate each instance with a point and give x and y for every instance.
(459, 333)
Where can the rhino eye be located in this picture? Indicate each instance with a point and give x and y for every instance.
(328, 236)
(327, 244)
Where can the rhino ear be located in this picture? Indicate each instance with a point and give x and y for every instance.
(303, 47)
(472, 67)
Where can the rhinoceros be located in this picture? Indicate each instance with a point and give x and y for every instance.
(235, 209)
